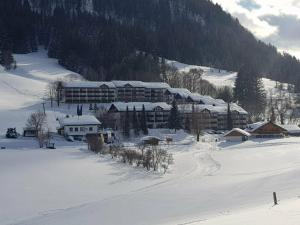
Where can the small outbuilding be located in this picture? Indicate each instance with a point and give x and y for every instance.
(237, 134)
(30, 132)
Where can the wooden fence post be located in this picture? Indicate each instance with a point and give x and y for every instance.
(275, 198)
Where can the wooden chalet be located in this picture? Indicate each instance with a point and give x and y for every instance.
(266, 130)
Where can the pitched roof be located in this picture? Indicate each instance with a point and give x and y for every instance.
(220, 109)
(242, 132)
(79, 120)
(87, 84)
(255, 126)
(292, 128)
(133, 83)
(149, 106)
(115, 83)
(183, 92)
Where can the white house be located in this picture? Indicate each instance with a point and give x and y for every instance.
(237, 134)
(79, 126)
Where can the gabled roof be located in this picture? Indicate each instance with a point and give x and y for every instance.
(220, 109)
(237, 130)
(149, 106)
(87, 84)
(79, 120)
(256, 126)
(114, 84)
(183, 92)
(121, 83)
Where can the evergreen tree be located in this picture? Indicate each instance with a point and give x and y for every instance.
(143, 121)
(174, 118)
(249, 91)
(229, 118)
(6, 57)
(135, 123)
(126, 128)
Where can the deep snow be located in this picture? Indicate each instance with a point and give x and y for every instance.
(210, 183)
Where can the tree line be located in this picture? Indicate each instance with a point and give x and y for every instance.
(126, 40)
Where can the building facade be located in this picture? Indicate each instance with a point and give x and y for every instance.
(114, 91)
(79, 126)
(157, 114)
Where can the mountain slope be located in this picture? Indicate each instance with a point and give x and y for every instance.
(100, 38)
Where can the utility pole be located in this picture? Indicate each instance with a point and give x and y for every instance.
(44, 108)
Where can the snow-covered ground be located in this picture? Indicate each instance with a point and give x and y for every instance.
(221, 78)
(209, 183)
(23, 90)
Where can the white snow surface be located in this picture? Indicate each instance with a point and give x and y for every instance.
(210, 182)
(221, 78)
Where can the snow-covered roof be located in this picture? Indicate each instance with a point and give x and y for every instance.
(188, 108)
(254, 126)
(147, 138)
(292, 128)
(149, 106)
(156, 85)
(243, 132)
(235, 107)
(87, 84)
(220, 109)
(79, 120)
(114, 84)
(183, 92)
(122, 83)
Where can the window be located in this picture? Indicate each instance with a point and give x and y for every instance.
(82, 129)
(76, 129)
(71, 129)
(90, 128)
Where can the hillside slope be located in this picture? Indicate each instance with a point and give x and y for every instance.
(99, 38)
(23, 90)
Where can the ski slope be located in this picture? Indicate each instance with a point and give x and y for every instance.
(23, 90)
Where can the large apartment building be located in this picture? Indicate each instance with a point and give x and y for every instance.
(106, 92)
(156, 97)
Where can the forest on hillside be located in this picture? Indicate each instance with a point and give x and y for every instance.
(111, 39)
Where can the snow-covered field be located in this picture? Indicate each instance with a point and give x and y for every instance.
(210, 183)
